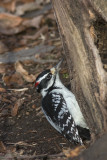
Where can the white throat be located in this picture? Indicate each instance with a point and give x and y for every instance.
(57, 83)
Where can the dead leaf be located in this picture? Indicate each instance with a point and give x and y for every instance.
(51, 16)
(34, 22)
(73, 153)
(13, 79)
(9, 21)
(3, 48)
(2, 147)
(29, 78)
(15, 109)
(20, 10)
(9, 5)
(10, 24)
(2, 90)
(34, 106)
(44, 29)
(19, 68)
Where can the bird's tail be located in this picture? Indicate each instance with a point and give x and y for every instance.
(84, 133)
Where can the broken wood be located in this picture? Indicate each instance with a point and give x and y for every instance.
(76, 22)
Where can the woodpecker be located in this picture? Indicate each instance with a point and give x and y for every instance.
(60, 106)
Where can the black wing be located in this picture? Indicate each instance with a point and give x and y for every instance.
(84, 133)
(58, 115)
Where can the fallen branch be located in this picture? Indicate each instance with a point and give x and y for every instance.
(26, 54)
(19, 90)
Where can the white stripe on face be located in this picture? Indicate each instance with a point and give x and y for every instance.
(40, 79)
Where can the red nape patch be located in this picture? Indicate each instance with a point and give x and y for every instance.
(36, 84)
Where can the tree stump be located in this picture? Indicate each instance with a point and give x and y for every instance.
(83, 30)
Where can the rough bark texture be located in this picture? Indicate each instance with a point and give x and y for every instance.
(100, 6)
(77, 22)
(98, 151)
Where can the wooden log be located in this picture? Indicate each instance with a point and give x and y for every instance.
(76, 22)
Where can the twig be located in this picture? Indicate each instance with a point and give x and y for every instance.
(18, 90)
(21, 143)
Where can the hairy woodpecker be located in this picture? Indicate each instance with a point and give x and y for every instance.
(60, 106)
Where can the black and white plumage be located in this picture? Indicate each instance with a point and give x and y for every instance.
(57, 113)
(60, 106)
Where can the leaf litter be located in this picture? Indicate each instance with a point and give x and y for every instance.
(29, 44)
(11, 24)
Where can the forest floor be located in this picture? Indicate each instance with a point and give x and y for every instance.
(29, 43)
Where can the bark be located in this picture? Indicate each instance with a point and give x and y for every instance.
(83, 28)
(98, 151)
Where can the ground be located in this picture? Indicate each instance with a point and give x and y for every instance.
(24, 129)
(27, 131)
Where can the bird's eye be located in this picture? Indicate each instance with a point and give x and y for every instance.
(49, 76)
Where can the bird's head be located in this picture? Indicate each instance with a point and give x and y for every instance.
(47, 78)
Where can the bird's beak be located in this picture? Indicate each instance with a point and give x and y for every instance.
(57, 67)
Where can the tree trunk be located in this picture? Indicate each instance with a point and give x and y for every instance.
(83, 31)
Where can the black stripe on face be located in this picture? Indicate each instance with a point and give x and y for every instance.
(43, 82)
(42, 74)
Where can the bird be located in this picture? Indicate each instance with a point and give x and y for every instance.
(60, 106)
